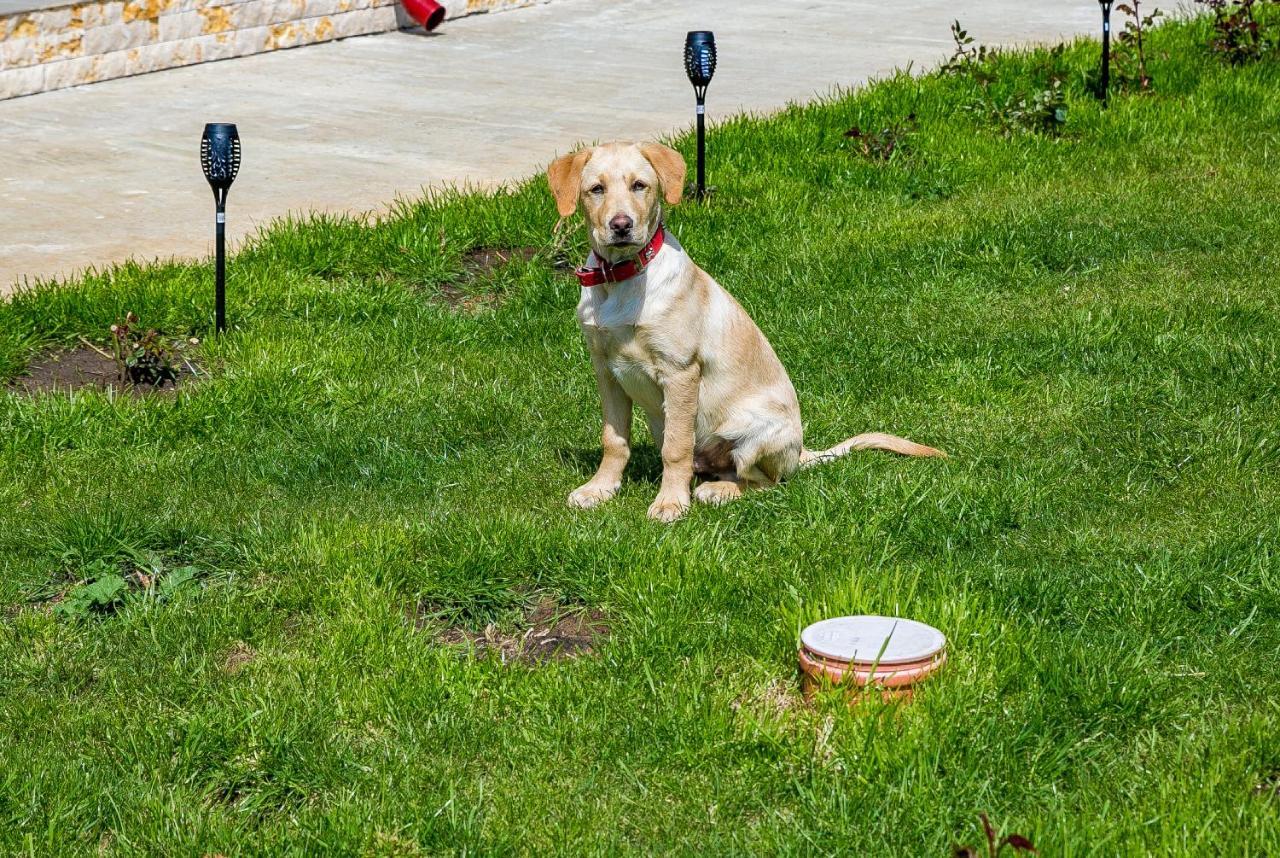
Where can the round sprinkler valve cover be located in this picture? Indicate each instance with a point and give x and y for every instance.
(890, 653)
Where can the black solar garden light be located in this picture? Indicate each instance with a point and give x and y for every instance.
(220, 158)
(700, 65)
(1104, 82)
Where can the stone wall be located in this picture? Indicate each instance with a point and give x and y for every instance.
(82, 43)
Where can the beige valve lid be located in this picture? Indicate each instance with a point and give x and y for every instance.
(860, 639)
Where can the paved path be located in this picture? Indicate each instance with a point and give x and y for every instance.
(106, 172)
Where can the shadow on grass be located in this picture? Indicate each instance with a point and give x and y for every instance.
(645, 465)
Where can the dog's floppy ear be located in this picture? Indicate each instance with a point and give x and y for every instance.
(565, 175)
(670, 167)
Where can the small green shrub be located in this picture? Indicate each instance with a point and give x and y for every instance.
(1018, 842)
(1239, 35)
(104, 586)
(1042, 110)
(967, 54)
(144, 357)
(882, 145)
(1130, 53)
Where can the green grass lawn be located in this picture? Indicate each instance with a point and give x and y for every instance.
(1087, 322)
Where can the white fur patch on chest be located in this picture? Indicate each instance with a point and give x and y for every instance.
(637, 301)
(620, 319)
(621, 308)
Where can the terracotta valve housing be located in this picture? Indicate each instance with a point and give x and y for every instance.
(888, 654)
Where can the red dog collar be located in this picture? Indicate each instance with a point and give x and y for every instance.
(609, 273)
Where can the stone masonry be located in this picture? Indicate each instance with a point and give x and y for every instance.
(67, 45)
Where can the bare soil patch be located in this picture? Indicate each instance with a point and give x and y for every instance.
(481, 261)
(237, 657)
(85, 367)
(458, 298)
(549, 631)
(481, 265)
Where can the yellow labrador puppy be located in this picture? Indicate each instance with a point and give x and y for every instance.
(665, 336)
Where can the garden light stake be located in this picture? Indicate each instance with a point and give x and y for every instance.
(700, 65)
(1104, 81)
(220, 159)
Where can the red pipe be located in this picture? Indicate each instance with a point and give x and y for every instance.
(428, 13)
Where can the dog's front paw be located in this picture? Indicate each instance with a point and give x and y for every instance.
(668, 508)
(591, 495)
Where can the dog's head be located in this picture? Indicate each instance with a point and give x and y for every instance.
(621, 188)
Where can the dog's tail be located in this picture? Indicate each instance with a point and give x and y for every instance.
(868, 441)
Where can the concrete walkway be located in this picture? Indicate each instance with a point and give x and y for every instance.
(102, 173)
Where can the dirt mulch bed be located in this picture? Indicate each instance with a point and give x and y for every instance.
(480, 265)
(481, 261)
(86, 367)
(238, 657)
(457, 298)
(549, 631)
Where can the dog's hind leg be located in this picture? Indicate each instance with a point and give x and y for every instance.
(717, 492)
(761, 459)
(768, 455)
(714, 463)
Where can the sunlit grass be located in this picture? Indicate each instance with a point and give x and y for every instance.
(1087, 323)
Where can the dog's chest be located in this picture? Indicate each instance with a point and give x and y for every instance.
(621, 308)
(616, 325)
(631, 360)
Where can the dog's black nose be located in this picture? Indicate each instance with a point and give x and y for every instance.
(621, 223)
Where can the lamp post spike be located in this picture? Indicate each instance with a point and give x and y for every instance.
(700, 66)
(1104, 82)
(220, 160)
(220, 269)
(702, 150)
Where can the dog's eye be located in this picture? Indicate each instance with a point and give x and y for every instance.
(638, 186)
(597, 188)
